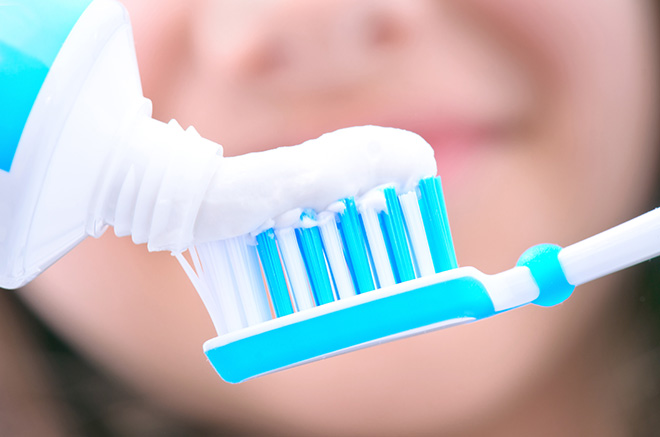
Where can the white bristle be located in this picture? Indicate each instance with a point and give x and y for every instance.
(221, 279)
(220, 323)
(234, 283)
(295, 267)
(252, 293)
(258, 280)
(335, 256)
(377, 247)
(335, 292)
(417, 233)
(208, 298)
(195, 259)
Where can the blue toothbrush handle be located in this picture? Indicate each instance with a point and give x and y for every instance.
(445, 299)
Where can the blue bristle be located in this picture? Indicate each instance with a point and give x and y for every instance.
(270, 260)
(391, 239)
(354, 242)
(434, 215)
(446, 230)
(396, 237)
(357, 252)
(367, 249)
(311, 248)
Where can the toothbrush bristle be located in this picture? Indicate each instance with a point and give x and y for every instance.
(355, 247)
(434, 216)
(311, 247)
(274, 272)
(395, 230)
(334, 256)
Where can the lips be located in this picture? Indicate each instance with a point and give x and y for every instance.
(456, 143)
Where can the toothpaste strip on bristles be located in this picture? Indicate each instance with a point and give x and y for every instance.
(252, 191)
(307, 259)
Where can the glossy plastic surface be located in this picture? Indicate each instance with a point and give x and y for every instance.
(32, 33)
(341, 326)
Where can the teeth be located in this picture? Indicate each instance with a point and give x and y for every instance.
(313, 260)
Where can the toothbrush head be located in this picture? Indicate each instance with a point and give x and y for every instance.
(364, 272)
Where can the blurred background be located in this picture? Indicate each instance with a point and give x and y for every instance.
(544, 122)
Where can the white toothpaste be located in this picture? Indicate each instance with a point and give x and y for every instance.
(250, 190)
(88, 155)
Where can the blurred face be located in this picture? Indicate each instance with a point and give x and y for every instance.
(540, 114)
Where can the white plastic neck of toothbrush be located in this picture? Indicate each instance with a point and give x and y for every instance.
(510, 288)
(622, 246)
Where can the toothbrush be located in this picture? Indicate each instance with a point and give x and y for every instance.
(363, 272)
(376, 270)
(80, 151)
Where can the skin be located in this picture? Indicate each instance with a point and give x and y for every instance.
(541, 115)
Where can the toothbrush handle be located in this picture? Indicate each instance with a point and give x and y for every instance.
(622, 246)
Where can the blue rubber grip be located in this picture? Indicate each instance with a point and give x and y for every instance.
(542, 260)
(338, 330)
(31, 35)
